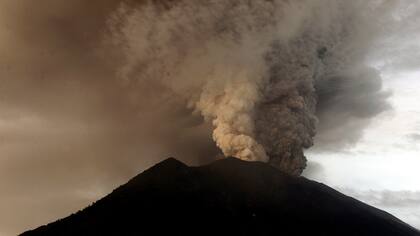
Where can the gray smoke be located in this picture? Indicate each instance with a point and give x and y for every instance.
(265, 74)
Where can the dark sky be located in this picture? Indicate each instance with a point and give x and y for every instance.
(70, 130)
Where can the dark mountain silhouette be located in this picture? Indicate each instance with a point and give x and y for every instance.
(227, 197)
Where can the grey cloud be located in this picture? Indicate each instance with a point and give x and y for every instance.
(314, 170)
(414, 136)
(346, 105)
(388, 198)
(403, 204)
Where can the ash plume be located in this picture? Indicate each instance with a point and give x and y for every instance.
(259, 71)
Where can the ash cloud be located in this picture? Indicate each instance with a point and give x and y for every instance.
(264, 74)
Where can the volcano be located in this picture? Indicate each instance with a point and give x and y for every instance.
(226, 197)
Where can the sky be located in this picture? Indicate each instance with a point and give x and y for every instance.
(70, 131)
(382, 168)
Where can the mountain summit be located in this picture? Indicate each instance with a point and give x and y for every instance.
(229, 196)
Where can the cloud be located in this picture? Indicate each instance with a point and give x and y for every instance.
(346, 106)
(414, 136)
(403, 204)
(314, 170)
(388, 198)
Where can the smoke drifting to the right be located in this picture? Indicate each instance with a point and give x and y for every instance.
(266, 74)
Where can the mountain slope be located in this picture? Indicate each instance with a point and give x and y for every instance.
(229, 196)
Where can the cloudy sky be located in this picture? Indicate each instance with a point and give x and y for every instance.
(70, 132)
(382, 168)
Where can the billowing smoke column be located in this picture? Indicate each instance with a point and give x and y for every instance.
(254, 69)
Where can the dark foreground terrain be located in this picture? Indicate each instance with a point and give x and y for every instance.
(227, 197)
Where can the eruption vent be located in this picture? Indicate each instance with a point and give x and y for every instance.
(253, 69)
